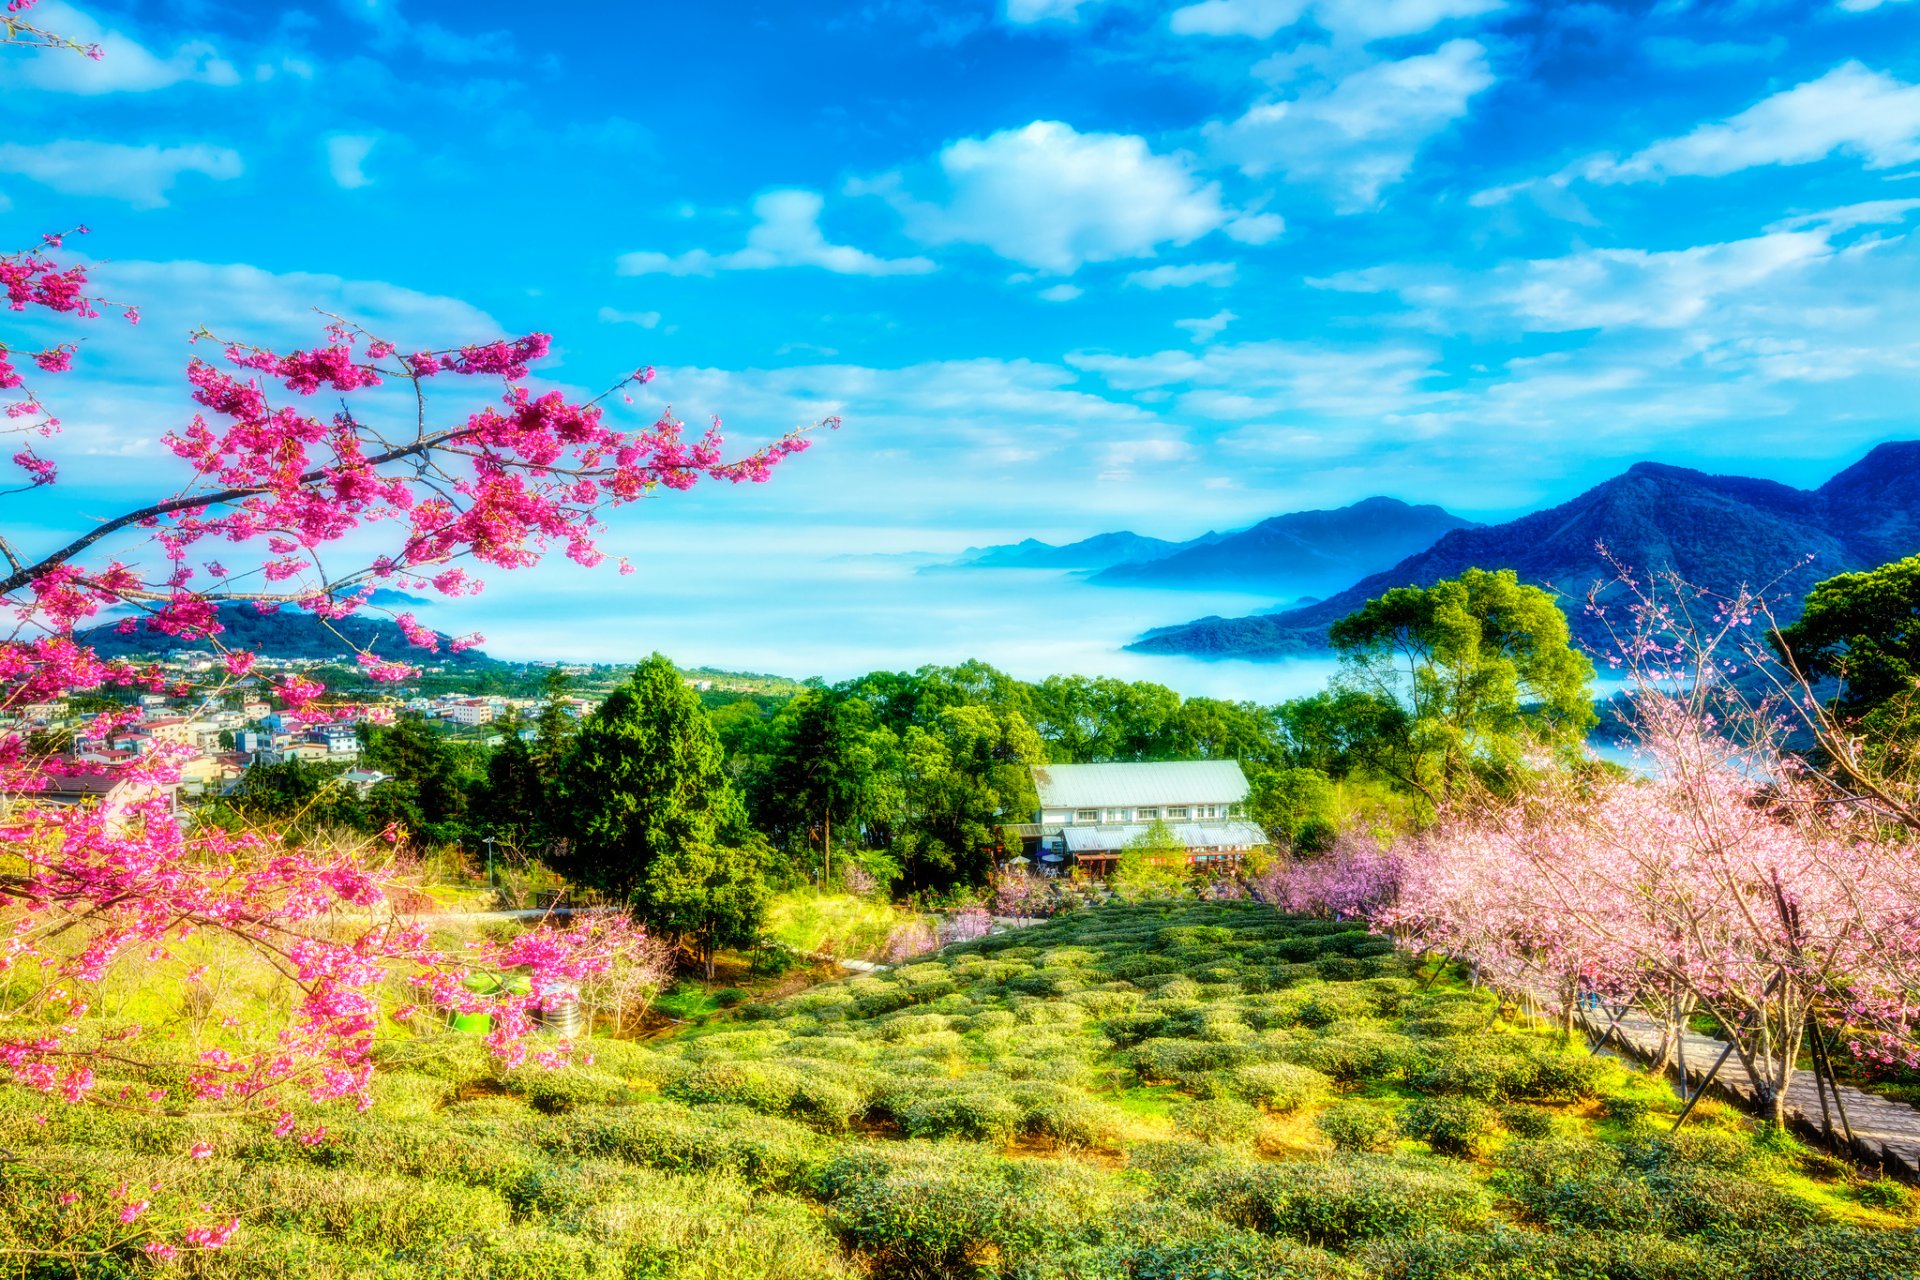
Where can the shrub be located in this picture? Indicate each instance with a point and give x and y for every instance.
(1356, 1127)
(1451, 1126)
(1279, 1086)
(1165, 1058)
(1627, 1110)
(763, 1150)
(1604, 1202)
(1221, 1121)
(1524, 1121)
(1354, 1055)
(980, 1116)
(761, 1086)
(1333, 1203)
(1707, 1200)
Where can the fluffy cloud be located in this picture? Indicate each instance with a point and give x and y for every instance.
(346, 154)
(1356, 19)
(1061, 293)
(1361, 134)
(139, 175)
(1185, 275)
(1851, 110)
(130, 66)
(787, 234)
(1053, 198)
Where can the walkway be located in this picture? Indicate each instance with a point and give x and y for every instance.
(1884, 1132)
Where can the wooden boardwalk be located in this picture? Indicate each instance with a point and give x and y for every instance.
(1885, 1132)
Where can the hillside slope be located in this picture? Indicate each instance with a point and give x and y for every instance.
(1718, 531)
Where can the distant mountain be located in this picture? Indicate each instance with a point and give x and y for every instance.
(1307, 551)
(1718, 531)
(289, 633)
(1101, 551)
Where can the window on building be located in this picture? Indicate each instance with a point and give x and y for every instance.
(1177, 811)
(1116, 815)
(1086, 815)
(1147, 815)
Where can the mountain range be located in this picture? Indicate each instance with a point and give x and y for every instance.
(289, 633)
(1297, 554)
(1716, 531)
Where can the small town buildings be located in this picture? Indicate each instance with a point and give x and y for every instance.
(469, 711)
(119, 798)
(1090, 813)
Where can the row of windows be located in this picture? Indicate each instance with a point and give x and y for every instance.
(1170, 813)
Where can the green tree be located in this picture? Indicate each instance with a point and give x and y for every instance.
(429, 778)
(961, 777)
(1298, 808)
(298, 796)
(642, 778)
(706, 897)
(1483, 668)
(823, 766)
(513, 804)
(1152, 865)
(1862, 631)
(555, 726)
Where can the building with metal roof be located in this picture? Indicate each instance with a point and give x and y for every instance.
(1090, 813)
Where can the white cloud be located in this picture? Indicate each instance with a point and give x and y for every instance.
(787, 234)
(1851, 109)
(1185, 275)
(1360, 135)
(1052, 198)
(1256, 228)
(1864, 6)
(1061, 292)
(1278, 381)
(393, 32)
(1356, 19)
(346, 155)
(127, 66)
(1692, 288)
(1024, 12)
(139, 175)
(1120, 460)
(1207, 328)
(644, 319)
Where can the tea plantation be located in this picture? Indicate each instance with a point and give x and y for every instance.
(1166, 1092)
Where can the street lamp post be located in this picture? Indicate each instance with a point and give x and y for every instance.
(489, 843)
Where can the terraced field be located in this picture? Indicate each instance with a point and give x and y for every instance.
(1161, 1091)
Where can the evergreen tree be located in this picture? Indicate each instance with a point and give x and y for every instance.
(706, 897)
(642, 778)
(513, 803)
(555, 726)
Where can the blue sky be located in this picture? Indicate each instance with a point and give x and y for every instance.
(1061, 266)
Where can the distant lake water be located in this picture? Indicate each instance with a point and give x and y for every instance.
(843, 616)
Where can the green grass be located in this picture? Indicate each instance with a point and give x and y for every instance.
(1125, 1093)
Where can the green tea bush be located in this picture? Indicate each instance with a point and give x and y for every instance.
(1355, 1055)
(1525, 1121)
(1333, 1203)
(1451, 1126)
(761, 1086)
(1357, 1127)
(1602, 1202)
(1221, 1121)
(1279, 1086)
(1707, 1200)
(763, 1150)
(1167, 1059)
(978, 1116)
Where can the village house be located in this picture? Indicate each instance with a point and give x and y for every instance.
(119, 798)
(1089, 813)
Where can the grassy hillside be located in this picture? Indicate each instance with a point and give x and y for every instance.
(1159, 1091)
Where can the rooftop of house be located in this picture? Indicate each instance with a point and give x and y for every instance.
(1090, 786)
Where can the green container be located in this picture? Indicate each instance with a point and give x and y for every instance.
(478, 1024)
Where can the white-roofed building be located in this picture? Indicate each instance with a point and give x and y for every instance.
(1089, 813)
